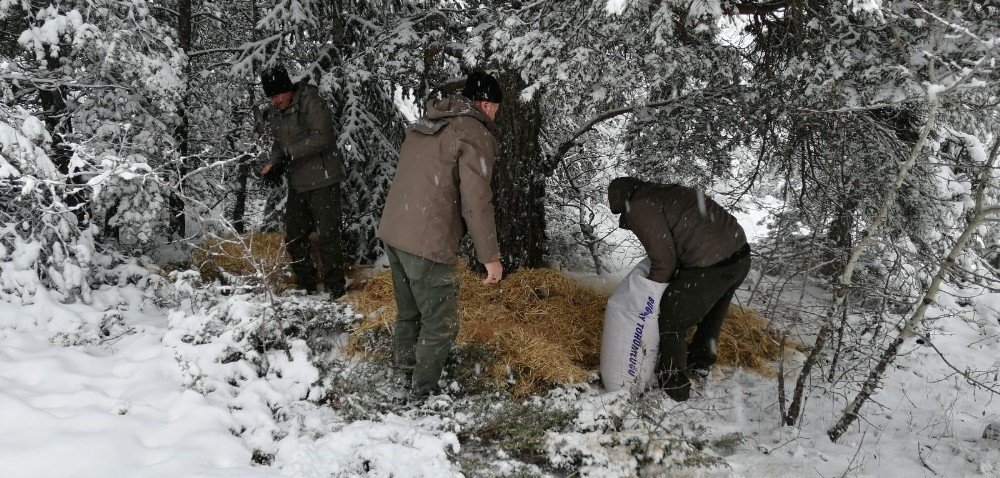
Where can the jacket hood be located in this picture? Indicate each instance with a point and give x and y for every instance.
(303, 89)
(457, 105)
(620, 191)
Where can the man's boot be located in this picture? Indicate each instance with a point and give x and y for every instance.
(699, 371)
(677, 386)
(336, 292)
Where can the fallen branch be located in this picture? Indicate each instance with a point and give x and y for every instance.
(964, 373)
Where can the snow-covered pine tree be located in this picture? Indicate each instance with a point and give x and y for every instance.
(95, 88)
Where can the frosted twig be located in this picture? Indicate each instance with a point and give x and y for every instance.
(55, 82)
(964, 373)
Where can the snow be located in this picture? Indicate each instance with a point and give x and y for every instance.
(104, 389)
(390, 448)
(104, 410)
(616, 7)
(933, 90)
(406, 104)
(975, 147)
(924, 416)
(867, 5)
(74, 402)
(17, 144)
(122, 387)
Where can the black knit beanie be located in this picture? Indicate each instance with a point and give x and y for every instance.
(482, 87)
(275, 80)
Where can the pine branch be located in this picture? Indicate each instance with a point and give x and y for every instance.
(553, 161)
(68, 83)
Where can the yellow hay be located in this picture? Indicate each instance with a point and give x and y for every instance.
(746, 342)
(260, 257)
(544, 327)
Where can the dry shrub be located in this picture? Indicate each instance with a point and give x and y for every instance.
(261, 258)
(544, 327)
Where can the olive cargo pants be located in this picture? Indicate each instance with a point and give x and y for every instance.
(427, 322)
(696, 297)
(317, 209)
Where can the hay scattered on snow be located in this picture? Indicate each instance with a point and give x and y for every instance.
(262, 258)
(544, 327)
(746, 342)
(259, 258)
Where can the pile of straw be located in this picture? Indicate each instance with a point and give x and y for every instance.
(261, 258)
(543, 327)
(746, 342)
(540, 324)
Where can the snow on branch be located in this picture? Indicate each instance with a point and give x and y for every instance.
(552, 162)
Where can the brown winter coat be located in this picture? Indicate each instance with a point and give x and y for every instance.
(678, 226)
(305, 141)
(442, 185)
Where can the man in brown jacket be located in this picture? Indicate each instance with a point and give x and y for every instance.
(697, 248)
(305, 148)
(441, 190)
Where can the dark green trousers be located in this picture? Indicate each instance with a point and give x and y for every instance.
(696, 297)
(427, 322)
(319, 210)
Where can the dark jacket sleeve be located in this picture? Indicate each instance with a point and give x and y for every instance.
(278, 156)
(476, 156)
(279, 162)
(649, 224)
(319, 136)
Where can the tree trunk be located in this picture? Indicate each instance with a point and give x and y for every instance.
(519, 178)
(246, 162)
(240, 203)
(841, 235)
(185, 40)
(844, 286)
(980, 214)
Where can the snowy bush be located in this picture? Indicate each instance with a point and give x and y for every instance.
(255, 358)
(42, 242)
(110, 327)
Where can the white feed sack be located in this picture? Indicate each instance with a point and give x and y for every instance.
(631, 340)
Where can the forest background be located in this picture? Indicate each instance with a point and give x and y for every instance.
(867, 132)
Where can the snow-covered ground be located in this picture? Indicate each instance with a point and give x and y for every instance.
(95, 390)
(134, 385)
(926, 420)
(85, 396)
(104, 406)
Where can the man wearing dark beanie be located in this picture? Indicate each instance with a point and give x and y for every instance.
(441, 190)
(305, 151)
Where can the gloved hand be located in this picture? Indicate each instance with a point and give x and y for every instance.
(272, 173)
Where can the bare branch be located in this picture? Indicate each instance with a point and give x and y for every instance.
(213, 51)
(68, 83)
(964, 373)
(553, 161)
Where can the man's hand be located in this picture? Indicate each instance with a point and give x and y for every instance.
(494, 272)
(271, 174)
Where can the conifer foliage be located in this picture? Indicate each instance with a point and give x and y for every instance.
(130, 125)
